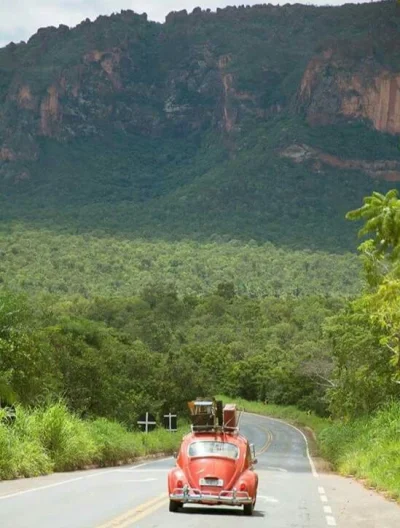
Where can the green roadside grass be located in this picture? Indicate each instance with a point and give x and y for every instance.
(51, 438)
(366, 448)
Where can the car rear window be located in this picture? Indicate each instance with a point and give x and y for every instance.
(209, 448)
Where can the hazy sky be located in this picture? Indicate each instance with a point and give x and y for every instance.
(19, 19)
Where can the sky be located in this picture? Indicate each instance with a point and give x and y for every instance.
(19, 19)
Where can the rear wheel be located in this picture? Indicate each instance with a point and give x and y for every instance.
(173, 506)
(248, 509)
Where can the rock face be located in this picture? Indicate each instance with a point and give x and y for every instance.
(388, 170)
(199, 72)
(329, 93)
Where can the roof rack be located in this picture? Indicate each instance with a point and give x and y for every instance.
(209, 415)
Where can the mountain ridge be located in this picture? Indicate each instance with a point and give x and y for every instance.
(183, 107)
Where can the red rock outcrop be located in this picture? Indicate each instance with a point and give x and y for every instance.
(379, 102)
(328, 92)
(388, 170)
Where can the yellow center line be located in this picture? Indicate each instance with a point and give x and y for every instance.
(140, 516)
(268, 443)
(137, 513)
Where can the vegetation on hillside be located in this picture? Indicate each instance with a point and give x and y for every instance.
(125, 185)
(39, 261)
(117, 357)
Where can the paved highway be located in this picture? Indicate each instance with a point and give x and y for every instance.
(291, 494)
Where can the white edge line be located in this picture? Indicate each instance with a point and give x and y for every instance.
(31, 490)
(150, 462)
(313, 469)
(56, 484)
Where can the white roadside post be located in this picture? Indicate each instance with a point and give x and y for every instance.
(172, 422)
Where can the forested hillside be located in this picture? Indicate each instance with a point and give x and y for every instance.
(264, 123)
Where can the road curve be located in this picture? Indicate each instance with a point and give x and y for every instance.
(291, 494)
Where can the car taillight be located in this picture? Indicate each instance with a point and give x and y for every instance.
(179, 484)
(242, 486)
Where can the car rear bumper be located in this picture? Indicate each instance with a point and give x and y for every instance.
(195, 496)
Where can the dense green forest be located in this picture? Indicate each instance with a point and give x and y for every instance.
(35, 261)
(199, 189)
(113, 356)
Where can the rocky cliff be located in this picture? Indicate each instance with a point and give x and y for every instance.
(199, 71)
(363, 90)
(228, 78)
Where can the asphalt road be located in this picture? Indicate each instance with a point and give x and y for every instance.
(291, 494)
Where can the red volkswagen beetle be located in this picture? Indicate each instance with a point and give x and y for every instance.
(214, 465)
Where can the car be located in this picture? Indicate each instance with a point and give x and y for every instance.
(215, 463)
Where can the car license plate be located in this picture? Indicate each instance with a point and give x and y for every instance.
(211, 482)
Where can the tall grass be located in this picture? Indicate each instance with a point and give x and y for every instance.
(53, 439)
(368, 448)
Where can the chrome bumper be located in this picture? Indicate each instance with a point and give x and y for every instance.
(191, 495)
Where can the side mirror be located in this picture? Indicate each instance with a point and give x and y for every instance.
(253, 454)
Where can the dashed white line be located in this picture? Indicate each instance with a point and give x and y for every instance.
(267, 498)
(330, 520)
(321, 490)
(327, 509)
(323, 498)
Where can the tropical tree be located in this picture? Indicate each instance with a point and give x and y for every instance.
(381, 216)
